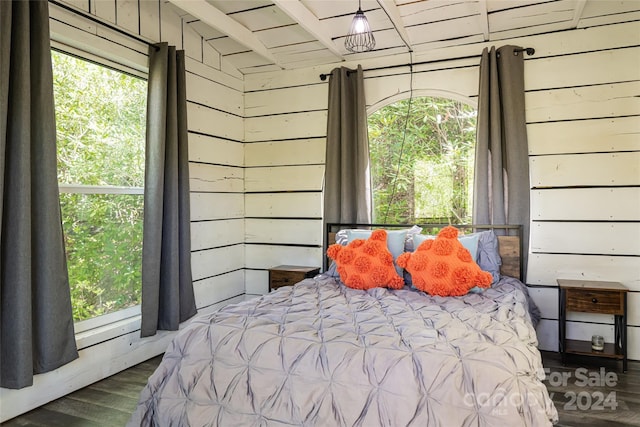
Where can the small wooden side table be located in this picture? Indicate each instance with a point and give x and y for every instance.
(288, 275)
(589, 296)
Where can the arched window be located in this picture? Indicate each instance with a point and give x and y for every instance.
(422, 161)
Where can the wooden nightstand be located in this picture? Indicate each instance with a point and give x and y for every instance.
(289, 275)
(588, 296)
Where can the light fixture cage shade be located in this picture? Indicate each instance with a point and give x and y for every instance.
(360, 37)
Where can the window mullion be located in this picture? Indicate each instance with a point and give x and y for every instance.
(98, 189)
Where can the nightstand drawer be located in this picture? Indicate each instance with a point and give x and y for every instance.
(289, 275)
(285, 278)
(588, 301)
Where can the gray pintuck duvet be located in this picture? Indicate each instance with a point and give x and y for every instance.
(322, 354)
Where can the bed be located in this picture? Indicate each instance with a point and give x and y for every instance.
(322, 354)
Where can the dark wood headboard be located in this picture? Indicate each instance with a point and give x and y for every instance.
(509, 240)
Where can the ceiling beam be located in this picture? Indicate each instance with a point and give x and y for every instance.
(309, 22)
(217, 19)
(391, 9)
(484, 19)
(577, 13)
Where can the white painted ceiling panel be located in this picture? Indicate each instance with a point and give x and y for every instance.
(308, 56)
(206, 31)
(285, 36)
(324, 9)
(246, 60)
(263, 18)
(440, 44)
(418, 14)
(261, 69)
(227, 46)
(233, 6)
(495, 5)
(312, 46)
(530, 16)
(600, 8)
(445, 30)
(280, 34)
(522, 32)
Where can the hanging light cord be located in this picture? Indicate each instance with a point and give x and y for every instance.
(404, 137)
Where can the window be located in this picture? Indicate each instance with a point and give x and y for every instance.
(425, 176)
(100, 121)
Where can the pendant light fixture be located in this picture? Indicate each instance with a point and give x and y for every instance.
(360, 37)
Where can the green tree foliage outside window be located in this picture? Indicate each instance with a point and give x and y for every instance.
(427, 174)
(100, 121)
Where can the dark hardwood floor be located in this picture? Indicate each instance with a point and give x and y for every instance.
(586, 392)
(107, 403)
(593, 392)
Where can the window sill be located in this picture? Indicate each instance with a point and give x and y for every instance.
(108, 331)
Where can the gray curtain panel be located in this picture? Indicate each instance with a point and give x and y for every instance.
(347, 188)
(501, 188)
(36, 329)
(167, 287)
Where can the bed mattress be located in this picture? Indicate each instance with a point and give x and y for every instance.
(321, 354)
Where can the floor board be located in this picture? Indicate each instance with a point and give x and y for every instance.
(593, 392)
(579, 390)
(107, 403)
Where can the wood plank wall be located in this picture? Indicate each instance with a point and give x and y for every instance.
(285, 137)
(216, 154)
(583, 125)
(584, 133)
(257, 164)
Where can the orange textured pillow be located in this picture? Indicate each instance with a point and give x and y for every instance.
(443, 266)
(366, 264)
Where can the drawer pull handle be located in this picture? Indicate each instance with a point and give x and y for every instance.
(594, 300)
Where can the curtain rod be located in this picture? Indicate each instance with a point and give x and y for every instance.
(99, 21)
(528, 50)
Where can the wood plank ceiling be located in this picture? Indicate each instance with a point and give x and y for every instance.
(264, 35)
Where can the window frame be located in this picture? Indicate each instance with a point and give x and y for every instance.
(105, 59)
(96, 327)
(418, 93)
